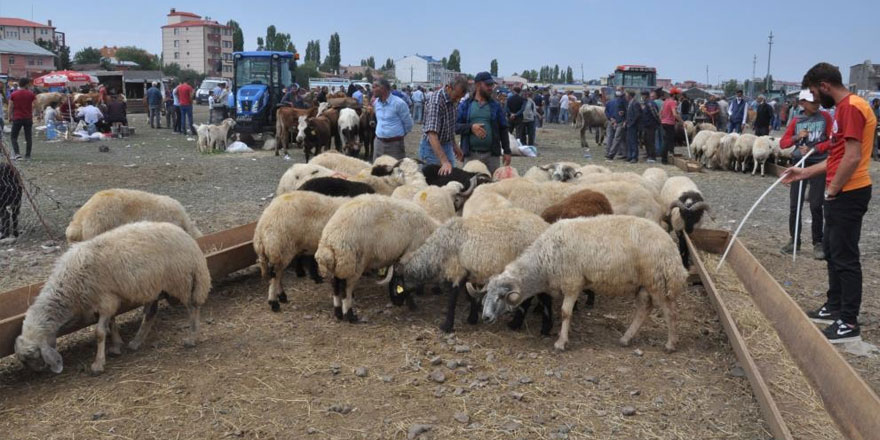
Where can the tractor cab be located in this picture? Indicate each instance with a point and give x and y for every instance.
(257, 87)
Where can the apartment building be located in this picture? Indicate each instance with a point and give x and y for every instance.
(197, 43)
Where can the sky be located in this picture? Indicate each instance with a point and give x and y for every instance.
(678, 38)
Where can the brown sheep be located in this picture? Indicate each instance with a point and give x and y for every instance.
(585, 203)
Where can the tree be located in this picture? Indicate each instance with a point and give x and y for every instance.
(389, 65)
(313, 51)
(444, 63)
(368, 75)
(87, 55)
(569, 76)
(369, 62)
(334, 55)
(237, 36)
(144, 59)
(64, 58)
(493, 68)
(454, 61)
(306, 70)
(260, 43)
(556, 73)
(730, 87)
(277, 41)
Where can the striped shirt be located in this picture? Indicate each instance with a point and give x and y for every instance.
(440, 116)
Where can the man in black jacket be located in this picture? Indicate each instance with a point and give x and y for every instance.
(650, 122)
(633, 121)
(763, 118)
(515, 107)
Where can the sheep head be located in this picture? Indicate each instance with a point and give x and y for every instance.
(503, 295)
(564, 173)
(38, 355)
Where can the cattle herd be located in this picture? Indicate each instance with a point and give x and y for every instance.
(560, 231)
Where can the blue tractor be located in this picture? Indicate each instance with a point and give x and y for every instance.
(257, 88)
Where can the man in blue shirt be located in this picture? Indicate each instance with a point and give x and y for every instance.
(393, 121)
(153, 100)
(418, 99)
(482, 125)
(359, 95)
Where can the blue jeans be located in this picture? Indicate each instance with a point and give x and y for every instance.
(658, 140)
(417, 111)
(563, 115)
(426, 153)
(734, 126)
(632, 143)
(186, 111)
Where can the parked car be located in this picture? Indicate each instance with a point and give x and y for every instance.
(205, 88)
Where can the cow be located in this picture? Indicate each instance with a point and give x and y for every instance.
(316, 135)
(368, 131)
(349, 131)
(286, 125)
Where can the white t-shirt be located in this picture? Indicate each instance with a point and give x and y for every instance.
(90, 114)
(50, 114)
(563, 102)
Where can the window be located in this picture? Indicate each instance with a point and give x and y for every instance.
(187, 54)
(40, 62)
(176, 31)
(11, 59)
(176, 43)
(31, 61)
(26, 31)
(176, 55)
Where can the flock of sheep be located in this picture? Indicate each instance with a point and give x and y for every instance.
(734, 151)
(558, 231)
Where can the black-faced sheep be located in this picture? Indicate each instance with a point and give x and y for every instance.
(132, 264)
(369, 232)
(470, 180)
(10, 201)
(610, 255)
(685, 209)
(111, 208)
(335, 187)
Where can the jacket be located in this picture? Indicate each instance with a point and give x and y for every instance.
(650, 115)
(633, 114)
(614, 107)
(764, 115)
(499, 127)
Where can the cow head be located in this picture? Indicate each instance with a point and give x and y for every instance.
(301, 130)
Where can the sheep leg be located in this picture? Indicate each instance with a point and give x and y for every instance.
(338, 287)
(298, 266)
(683, 249)
(591, 299)
(546, 313)
(754, 166)
(567, 306)
(276, 289)
(150, 310)
(449, 323)
(189, 340)
(115, 339)
(313, 269)
(101, 336)
(762, 169)
(670, 315)
(643, 308)
(519, 314)
(348, 301)
(474, 314)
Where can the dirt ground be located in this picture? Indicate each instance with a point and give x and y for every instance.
(299, 373)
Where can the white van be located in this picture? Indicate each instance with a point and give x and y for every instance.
(205, 88)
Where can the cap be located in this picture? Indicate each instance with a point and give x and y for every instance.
(674, 91)
(485, 77)
(805, 95)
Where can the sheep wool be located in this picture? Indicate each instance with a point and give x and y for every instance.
(299, 173)
(339, 162)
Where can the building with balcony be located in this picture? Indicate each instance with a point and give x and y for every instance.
(26, 30)
(197, 43)
(422, 70)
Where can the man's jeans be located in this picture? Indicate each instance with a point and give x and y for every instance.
(563, 115)
(426, 153)
(186, 119)
(632, 143)
(417, 111)
(27, 125)
(155, 114)
(843, 229)
(734, 126)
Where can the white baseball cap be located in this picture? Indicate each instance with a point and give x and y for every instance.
(805, 95)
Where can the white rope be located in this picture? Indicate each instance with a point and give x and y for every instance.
(797, 219)
(687, 141)
(743, 221)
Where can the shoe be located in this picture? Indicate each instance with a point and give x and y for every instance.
(26, 157)
(16, 157)
(818, 251)
(823, 315)
(608, 159)
(788, 248)
(633, 161)
(651, 161)
(587, 155)
(841, 332)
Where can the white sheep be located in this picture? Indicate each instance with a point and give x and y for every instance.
(698, 144)
(557, 172)
(711, 150)
(485, 201)
(291, 227)
(300, 173)
(385, 161)
(782, 156)
(656, 176)
(610, 255)
(475, 166)
(761, 150)
(440, 202)
(726, 150)
(367, 233)
(618, 177)
(111, 208)
(742, 150)
(471, 250)
(406, 171)
(132, 264)
(339, 162)
(587, 169)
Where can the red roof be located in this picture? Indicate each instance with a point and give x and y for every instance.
(22, 23)
(183, 14)
(194, 23)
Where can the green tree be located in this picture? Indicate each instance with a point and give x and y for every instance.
(444, 62)
(454, 61)
(144, 59)
(277, 41)
(730, 87)
(369, 62)
(368, 75)
(389, 65)
(64, 58)
(313, 51)
(556, 73)
(493, 68)
(569, 76)
(87, 55)
(306, 70)
(334, 55)
(260, 43)
(237, 36)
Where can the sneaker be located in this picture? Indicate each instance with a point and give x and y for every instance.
(823, 315)
(651, 161)
(818, 251)
(788, 248)
(841, 332)
(16, 157)
(587, 155)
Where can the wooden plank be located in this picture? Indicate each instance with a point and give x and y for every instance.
(686, 165)
(16, 301)
(226, 238)
(765, 400)
(850, 402)
(710, 240)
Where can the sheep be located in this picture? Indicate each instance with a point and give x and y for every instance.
(133, 264)
(468, 251)
(470, 180)
(369, 232)
(587, 169)
(726, 154)
(440, 202)
(782, 156)
(656, 176)
(685, 208)
(742, 150)
(340, 162)
(564, 171)
(690, 129)
(299, 173)
(405, 171)
(698, 142)
(336, 187)
(584, 203)
(475, 166)
(10, 200)
(218, 135)
(481, 202)
(619, 177)
(349, 131)
(761, 150)
(537, 174)
(290, 227)
(505, 172)
(112, 208)
(711, 156)
(383, 165)
(705, 126)
(611, 255)
(203, 137)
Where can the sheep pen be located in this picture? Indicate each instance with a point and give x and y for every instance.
(257, 374)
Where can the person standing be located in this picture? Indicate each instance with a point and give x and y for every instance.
(563, 108)
(650, 122)
(806, 131)
(615, 111)
(737, 113)
(686, 108)
(847, 195)
(170, 115)
(393, 121)
(515, 107)
(21, 114)
(554, 107)
(875, 106)
(185, 95)
(438, 146)
(713, 111)
(763, 117)
(153, 99)
(482, 124)
(538, 99)
(668, 117)
(221, 102)
(418, 98)
(176, 96)
(633, 121)
(530, 115)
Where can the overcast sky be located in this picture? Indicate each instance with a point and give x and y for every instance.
(678, 38)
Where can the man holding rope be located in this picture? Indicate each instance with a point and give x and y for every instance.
(847, 194)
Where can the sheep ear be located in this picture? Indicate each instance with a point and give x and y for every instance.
(545, 167)
(512, 298)
(52, 358)
(578, 174)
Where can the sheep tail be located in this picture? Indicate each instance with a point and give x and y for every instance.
(201, 285)
(74, 232)
(387, 277)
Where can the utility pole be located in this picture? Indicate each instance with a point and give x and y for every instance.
(582, 73)
(752, 82)
(707, 75)
(411, 74)
(769, 51)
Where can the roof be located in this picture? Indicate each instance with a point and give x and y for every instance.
(21, 47)
(264, 53)
(139, 76)
(183, 14)
(428, 58)
(5, 21)
(194, 23)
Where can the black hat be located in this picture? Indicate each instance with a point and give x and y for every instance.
(485, 77)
